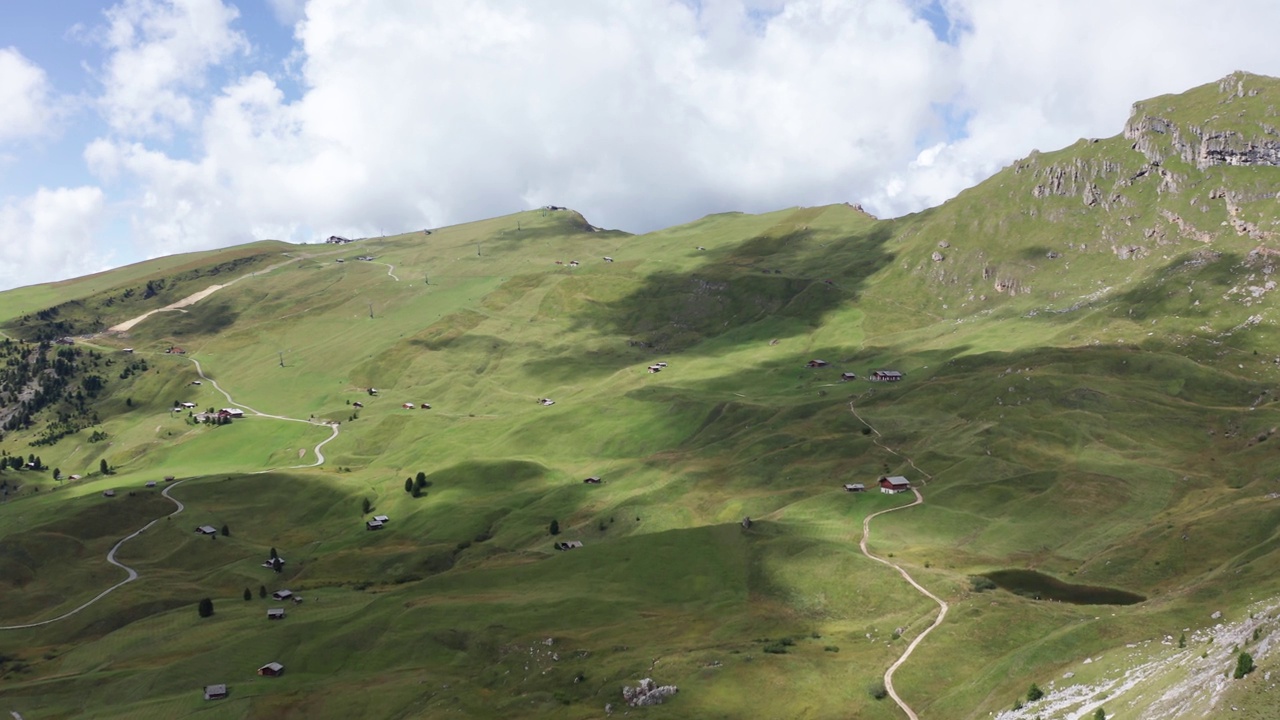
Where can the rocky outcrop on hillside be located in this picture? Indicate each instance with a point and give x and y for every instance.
(1207, 143)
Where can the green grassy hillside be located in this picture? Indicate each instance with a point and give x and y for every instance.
(1090, 392)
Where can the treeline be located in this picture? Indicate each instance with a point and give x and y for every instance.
(38, 378)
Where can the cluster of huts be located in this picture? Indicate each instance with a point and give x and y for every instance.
(271, 669)
(875, 376)
(889, 485)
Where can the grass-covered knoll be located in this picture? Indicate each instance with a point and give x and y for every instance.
(1090, 386)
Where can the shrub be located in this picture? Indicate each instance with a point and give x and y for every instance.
(981, 583)
(1244, 665)
(831, 648)
(247, 595)
(877, 690)
(775, 648)
(1182, 640)
(555, 527)
(206, 608)
(1100, 715)
(1034, 693)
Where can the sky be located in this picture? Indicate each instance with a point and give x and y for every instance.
(142, 128)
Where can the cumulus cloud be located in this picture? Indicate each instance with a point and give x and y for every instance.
(640, 114)
(159, 52)
(50, 235)
(26, 103)
(1041, 75)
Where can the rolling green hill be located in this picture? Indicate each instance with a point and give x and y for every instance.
(1091, 371)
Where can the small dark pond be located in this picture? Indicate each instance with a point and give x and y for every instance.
(1039, 586)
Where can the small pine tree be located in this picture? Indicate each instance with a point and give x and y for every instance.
(206, 608)
(417, 492)
(1100, 714)
(274, 554)
(247, 595)
(277, 565)
(57, 474)
(226, 531)
(1034, 693)
(366, 506)
(1182, 640)
(102, 466)
(421, 480)
(262, 591)
(408, 485)
(555, 527)
(1244, 665)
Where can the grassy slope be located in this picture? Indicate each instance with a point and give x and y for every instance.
(1116, 443)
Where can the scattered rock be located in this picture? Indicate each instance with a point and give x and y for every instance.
(647, 693)
(937, 256)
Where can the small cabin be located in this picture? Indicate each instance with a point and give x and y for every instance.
(275, 614)
(207, 530)
(886, 376)
(846, 377)
(608, 259)
(232, 412)
(855, 487)
(357, 404)
(188, 405)
(282, 595)
(272, 669)
(169, 478)
(381, 518)
(151, 483)
(573, 263)
(215, 692)
(127, 350)
(408, 406)
(593, 480)
(654, 369)
(196, 382)
(425, 406)
(894, 485)
(548, 402)
(373, 525)
(569, 545)
(817, 364)
(108, 493)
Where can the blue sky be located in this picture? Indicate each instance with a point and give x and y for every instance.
(140, 128)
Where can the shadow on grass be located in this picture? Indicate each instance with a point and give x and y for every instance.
(769, 286)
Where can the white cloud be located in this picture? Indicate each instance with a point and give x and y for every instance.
(288, 12)
(1043, 74)
(50, 235)
(159, 52)
(640, 114)
(26, 106)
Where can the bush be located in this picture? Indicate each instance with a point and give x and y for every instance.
(877, 690)
(1244, 665)
(775, 648)
(1034, 693)
(981, 584)
(206, 608)
(1100, 715)
(831, 648)
(555, 527)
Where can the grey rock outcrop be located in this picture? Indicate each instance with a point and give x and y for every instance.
(647, 693)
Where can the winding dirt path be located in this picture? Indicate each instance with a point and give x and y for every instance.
(390, 270)
(943, 607)
(111, 558)
(335, 428)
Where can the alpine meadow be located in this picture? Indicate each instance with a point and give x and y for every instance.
(514, 467)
